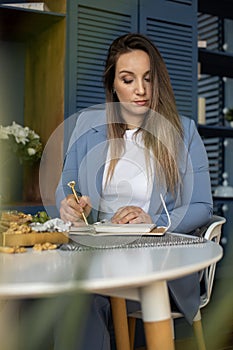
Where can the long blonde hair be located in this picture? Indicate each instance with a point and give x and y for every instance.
(162, 131)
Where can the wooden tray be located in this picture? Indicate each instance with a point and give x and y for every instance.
(29, 239)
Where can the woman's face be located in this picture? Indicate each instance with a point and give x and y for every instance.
(133, 86)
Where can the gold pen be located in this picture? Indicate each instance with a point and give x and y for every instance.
(71, 184)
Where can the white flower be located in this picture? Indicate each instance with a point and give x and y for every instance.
(20, 133)
(31, 151)
(34, 135)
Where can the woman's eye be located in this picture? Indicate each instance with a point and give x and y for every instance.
(147, 79)
(127, 81)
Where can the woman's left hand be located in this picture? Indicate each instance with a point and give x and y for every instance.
(131, 215)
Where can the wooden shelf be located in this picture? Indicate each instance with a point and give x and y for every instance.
(220, 8)
(216, 63)
(222, 199)
(29, 23)
(209, 131)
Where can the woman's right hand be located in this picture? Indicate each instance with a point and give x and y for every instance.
(72, 211)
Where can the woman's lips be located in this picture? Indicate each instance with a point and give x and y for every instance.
(141, 103)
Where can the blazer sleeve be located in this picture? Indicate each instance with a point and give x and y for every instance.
(69, 172)
(193, 206)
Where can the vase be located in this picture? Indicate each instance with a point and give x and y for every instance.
(31, 186)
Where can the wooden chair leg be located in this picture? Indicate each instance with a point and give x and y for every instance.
(132, 328)
(120, 323)
(198, 331)
(164, 340)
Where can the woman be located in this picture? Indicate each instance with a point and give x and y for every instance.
(122, 157)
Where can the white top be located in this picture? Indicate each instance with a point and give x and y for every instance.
(130, 184)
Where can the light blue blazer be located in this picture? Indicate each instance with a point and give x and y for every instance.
(191, 208)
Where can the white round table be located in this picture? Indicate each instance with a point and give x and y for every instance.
(131, 273)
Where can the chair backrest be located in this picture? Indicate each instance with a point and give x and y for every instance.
(213, 233)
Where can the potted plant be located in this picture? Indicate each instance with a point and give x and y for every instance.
(22, 141)
(21, 151)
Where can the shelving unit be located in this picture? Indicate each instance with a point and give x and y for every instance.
(44, 36)
(216, 63)
(23, 19)
(209, 131)
(218, 8)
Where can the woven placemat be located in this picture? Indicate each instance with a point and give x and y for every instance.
(86, 242)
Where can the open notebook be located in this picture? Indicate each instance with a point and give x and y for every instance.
(107, 228)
